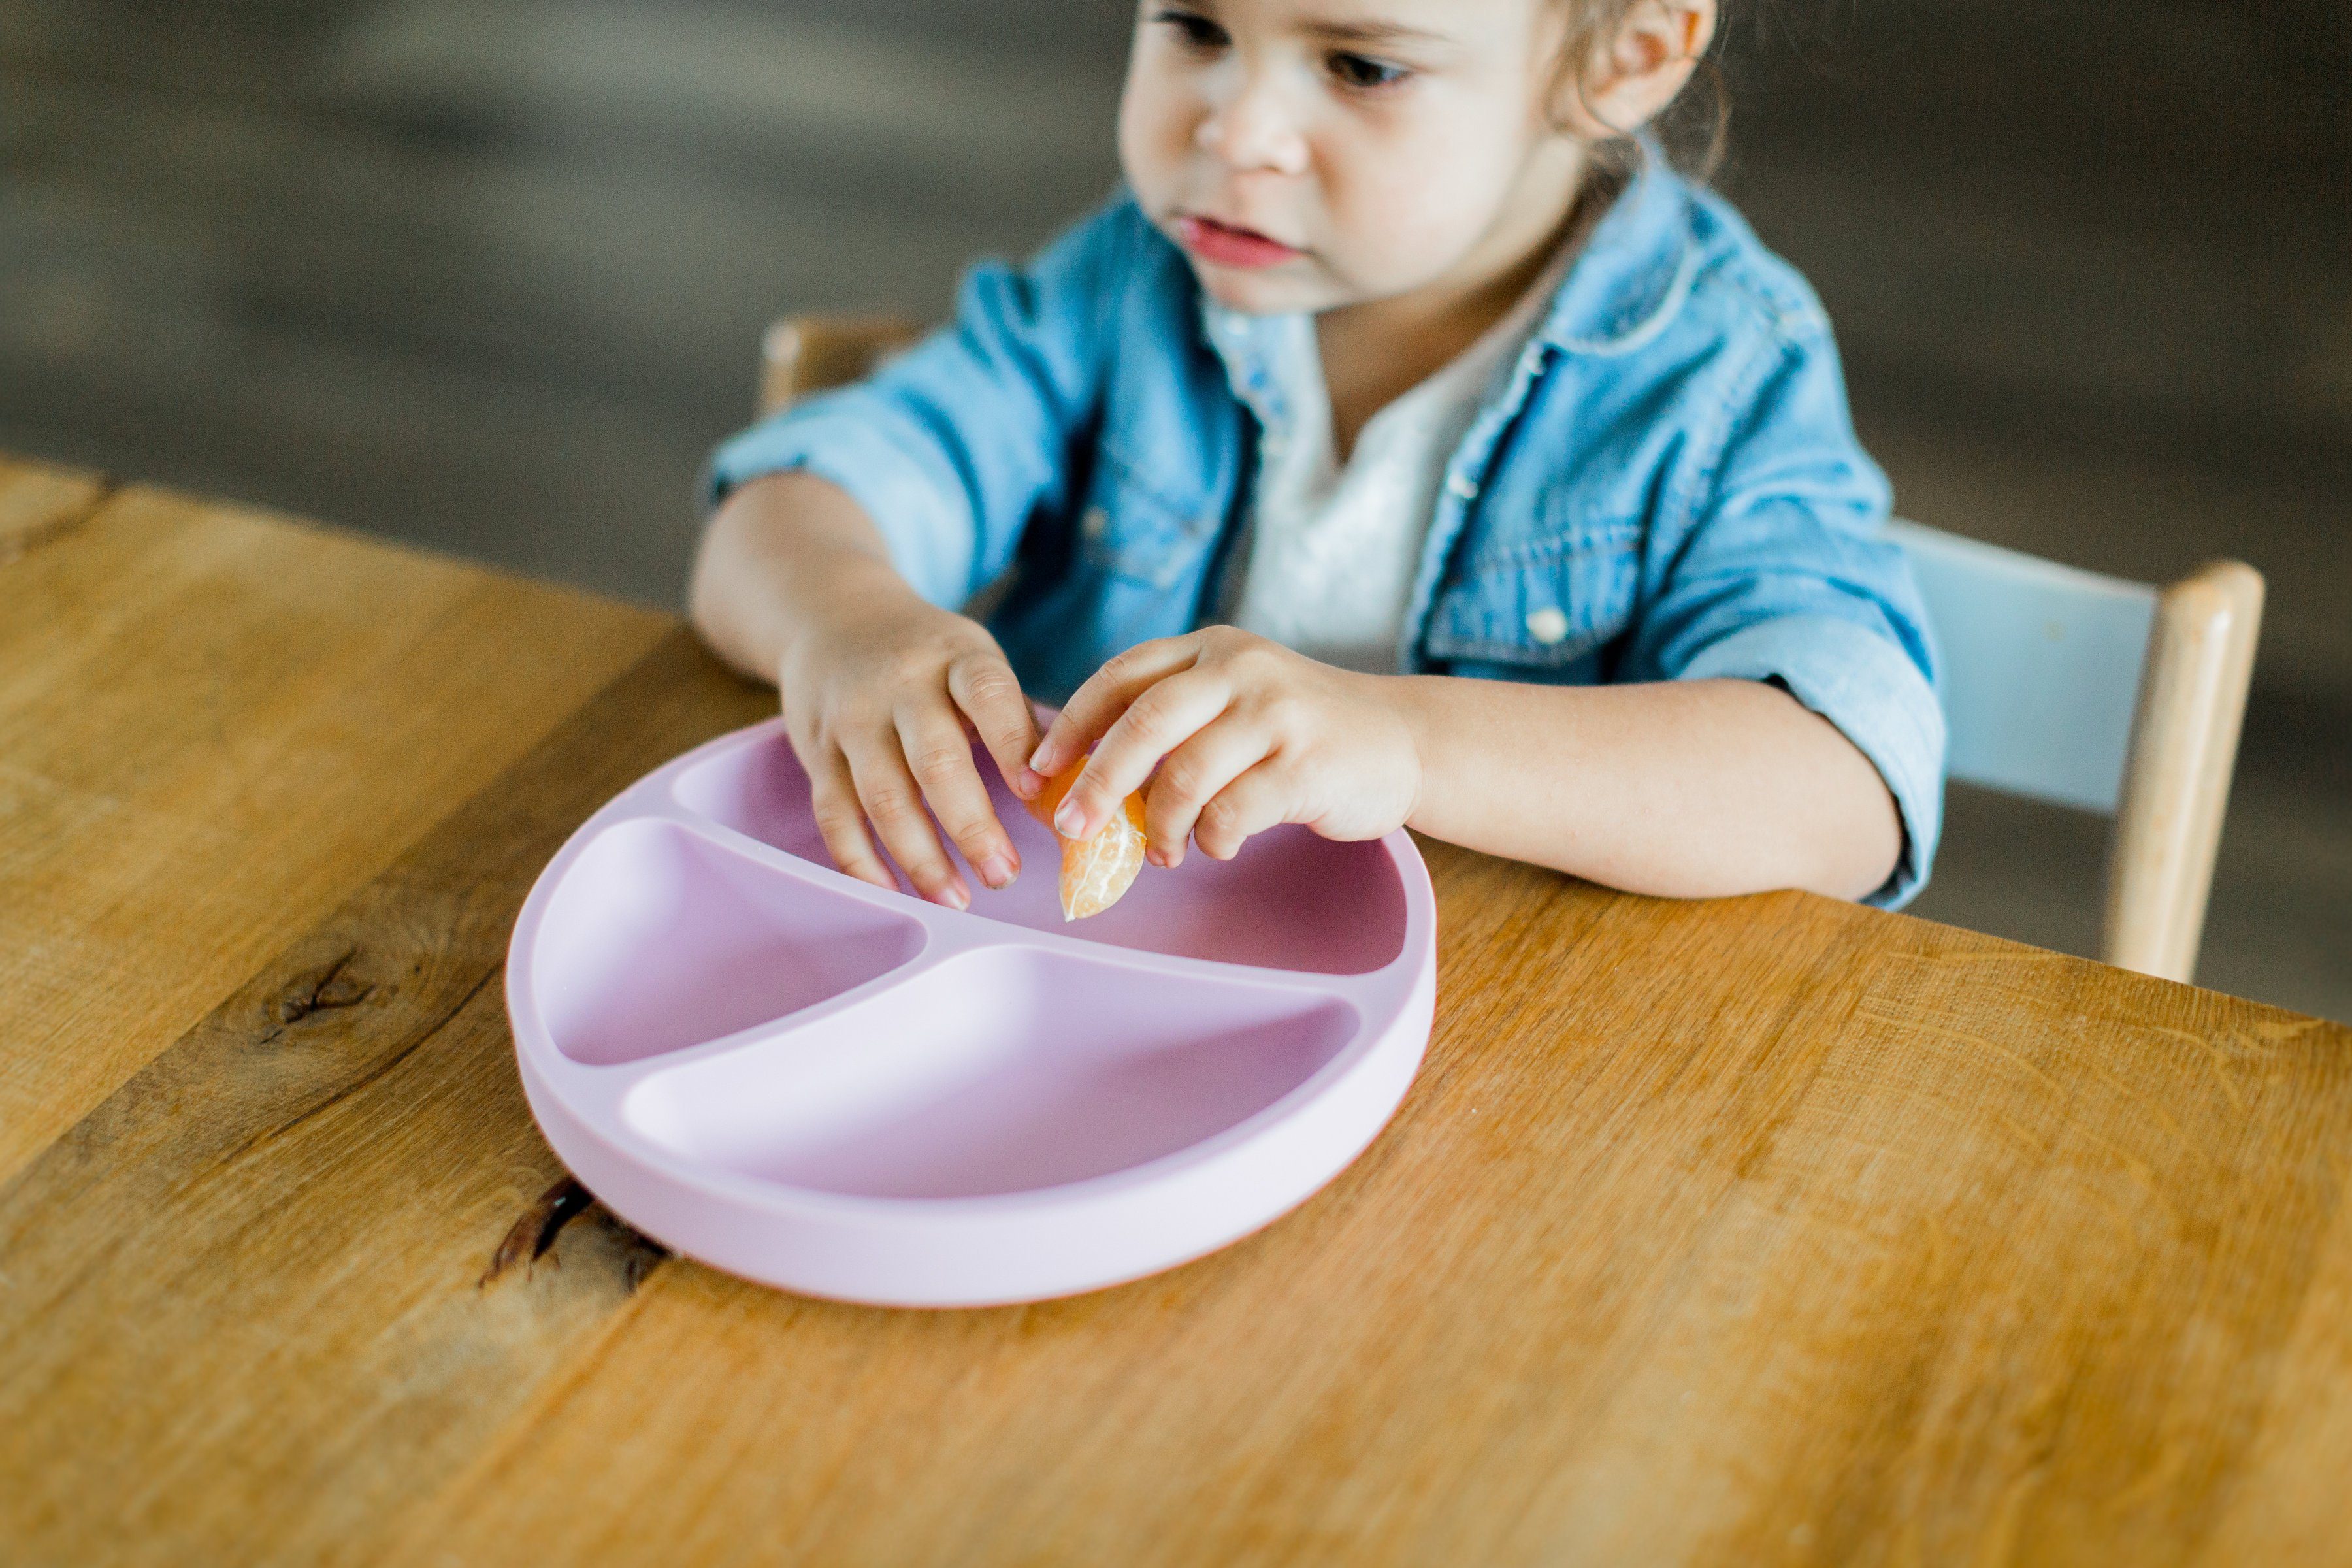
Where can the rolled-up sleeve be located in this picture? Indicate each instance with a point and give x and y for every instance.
(950, 446)
(1786, 575)
(1878, 699)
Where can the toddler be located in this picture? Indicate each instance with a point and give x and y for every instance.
(1404, 444)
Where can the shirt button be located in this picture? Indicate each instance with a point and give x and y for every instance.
(1462, 485)
(1547, 626)
(1093, 522)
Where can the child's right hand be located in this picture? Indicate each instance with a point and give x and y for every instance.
(881, 691)
(794, 584)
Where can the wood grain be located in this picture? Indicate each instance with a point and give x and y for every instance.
(214, 726)
(1771, 1230)
(2289, 1503)
(258, 1298)
(1767, 1232)
(39, 502)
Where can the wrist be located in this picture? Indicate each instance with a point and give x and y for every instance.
(832, 591)
(810, 548)
(1415, 699)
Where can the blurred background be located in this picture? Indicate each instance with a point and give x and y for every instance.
(489, 274)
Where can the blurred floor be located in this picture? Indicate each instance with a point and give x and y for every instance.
(489, 276)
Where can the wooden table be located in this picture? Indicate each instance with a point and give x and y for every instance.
(1763, 1231)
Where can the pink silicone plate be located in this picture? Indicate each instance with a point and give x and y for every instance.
(819, 1084)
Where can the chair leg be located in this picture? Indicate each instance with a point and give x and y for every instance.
(2192, 700)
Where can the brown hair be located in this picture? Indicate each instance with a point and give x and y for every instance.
(1694, 128)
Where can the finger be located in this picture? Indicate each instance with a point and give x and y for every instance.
(940, 756)
(1164, 718)
(1259, 799)
(1190, 777)
(989, 694)
(894, 803)
(841, 821)
(1105, 696)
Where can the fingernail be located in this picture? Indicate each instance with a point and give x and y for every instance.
(1070, 822)
(996, 870)
(1155, 856)
(1027, 783)
(1037, 758)
(955, 896)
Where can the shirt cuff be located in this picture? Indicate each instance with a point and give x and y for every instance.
(1878, 699)
(929, 541)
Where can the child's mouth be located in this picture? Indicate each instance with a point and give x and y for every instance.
(1225, 246)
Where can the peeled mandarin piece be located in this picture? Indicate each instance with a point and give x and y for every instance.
(1095, 871)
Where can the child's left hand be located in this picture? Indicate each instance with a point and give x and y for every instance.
(1245, 734)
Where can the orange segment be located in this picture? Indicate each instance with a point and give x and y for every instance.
(1095, 871)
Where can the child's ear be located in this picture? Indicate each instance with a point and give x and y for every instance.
(1632, 74)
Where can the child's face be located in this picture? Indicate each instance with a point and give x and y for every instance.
(1307, 154)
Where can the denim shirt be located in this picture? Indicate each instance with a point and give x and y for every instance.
(1665, 485)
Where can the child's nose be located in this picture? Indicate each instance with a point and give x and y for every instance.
(1256, 129)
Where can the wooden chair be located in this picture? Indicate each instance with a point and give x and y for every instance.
(801, 354)
(2062, 685)
(2107, 695)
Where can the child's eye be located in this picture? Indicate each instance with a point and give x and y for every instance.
(1364, 72)
(1194, 30)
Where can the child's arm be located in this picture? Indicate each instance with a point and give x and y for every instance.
(847, 525)
(1681, 788)
(1697, 788)
(794, 584)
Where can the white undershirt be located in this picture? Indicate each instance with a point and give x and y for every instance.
(1333, 551)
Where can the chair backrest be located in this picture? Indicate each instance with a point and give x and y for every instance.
(2041, 667)
(800, 354)
(2104, 694)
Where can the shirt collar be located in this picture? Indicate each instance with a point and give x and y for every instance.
(1636, 268)
(1260, 355)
